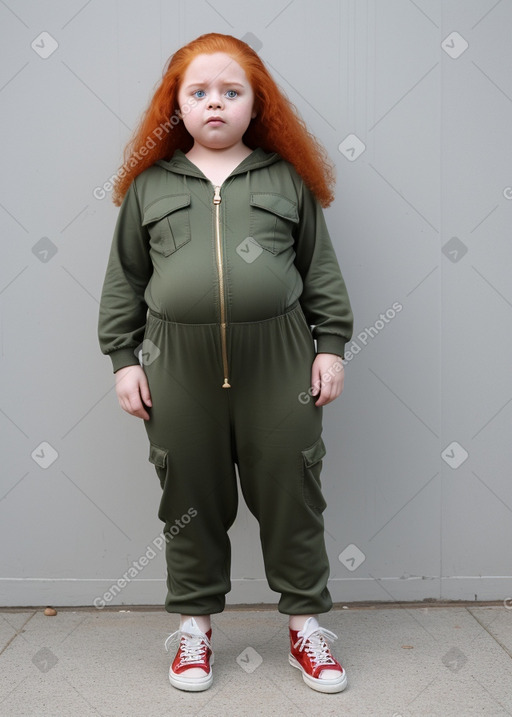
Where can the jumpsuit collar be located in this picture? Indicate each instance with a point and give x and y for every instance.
(181, 164)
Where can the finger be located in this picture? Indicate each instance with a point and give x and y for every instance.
(137, 407)
(126, 407)
(315, 381)
(145, 393)
(141, 413)
(324, 397)
(330, 391)
(327, 393)
(336, 389)
(132, 401)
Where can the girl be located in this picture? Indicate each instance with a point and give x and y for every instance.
(220, 266)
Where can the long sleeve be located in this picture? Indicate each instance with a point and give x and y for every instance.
(123, 310)
(324, 299)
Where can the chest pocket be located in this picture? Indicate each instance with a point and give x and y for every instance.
(168, 222)
(273, 221)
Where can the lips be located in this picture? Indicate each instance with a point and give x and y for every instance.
(214, 119)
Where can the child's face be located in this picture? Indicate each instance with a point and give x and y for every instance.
(216, 86)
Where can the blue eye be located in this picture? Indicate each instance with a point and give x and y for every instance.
(231, 94)
(199, 94)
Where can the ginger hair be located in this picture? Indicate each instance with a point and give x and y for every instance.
(277, 126)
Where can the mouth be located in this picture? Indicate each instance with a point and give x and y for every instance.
(215, 120)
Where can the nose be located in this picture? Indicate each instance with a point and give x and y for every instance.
(214, 100)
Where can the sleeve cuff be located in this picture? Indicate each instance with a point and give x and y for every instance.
(122, 358)
(331, 344)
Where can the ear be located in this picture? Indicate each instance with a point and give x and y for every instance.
(254, 115)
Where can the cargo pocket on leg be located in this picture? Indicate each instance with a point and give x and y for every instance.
(158, 457)
(311, 485)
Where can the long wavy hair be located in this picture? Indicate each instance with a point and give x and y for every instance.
(277, 126)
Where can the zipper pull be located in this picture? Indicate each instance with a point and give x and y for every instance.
(216, 196)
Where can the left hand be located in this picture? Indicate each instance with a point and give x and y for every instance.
(327, 378)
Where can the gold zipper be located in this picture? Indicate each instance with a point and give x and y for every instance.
(216, 202)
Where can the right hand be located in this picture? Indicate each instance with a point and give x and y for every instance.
(132, 390)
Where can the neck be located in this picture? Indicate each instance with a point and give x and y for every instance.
(200, 153)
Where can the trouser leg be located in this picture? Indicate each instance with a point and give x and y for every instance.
(191, 448)
(280, 451)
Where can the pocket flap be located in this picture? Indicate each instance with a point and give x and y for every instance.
(277, 204)
(165, 205)
(157, 455)
(315, 453)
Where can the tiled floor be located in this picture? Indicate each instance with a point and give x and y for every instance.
(401, 660)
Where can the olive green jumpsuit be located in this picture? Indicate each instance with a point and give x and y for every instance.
(220, 293)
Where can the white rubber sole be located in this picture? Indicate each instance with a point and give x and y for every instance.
(191, 684)
(329, 686)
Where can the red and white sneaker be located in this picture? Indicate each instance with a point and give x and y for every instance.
(310, 653)
(191, 668)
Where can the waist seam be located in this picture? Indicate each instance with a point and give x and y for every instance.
(160, 317)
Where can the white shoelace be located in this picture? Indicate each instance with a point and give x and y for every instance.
(316, 646)
(193, 647)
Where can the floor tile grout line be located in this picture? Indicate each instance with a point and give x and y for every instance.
(503, 647)
(17, 632)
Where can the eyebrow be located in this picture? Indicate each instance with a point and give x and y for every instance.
(205, 82)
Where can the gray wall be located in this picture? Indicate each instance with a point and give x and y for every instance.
(417, 475)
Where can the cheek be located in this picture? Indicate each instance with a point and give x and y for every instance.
(186, 105)
(189, 115)
(244, 115)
